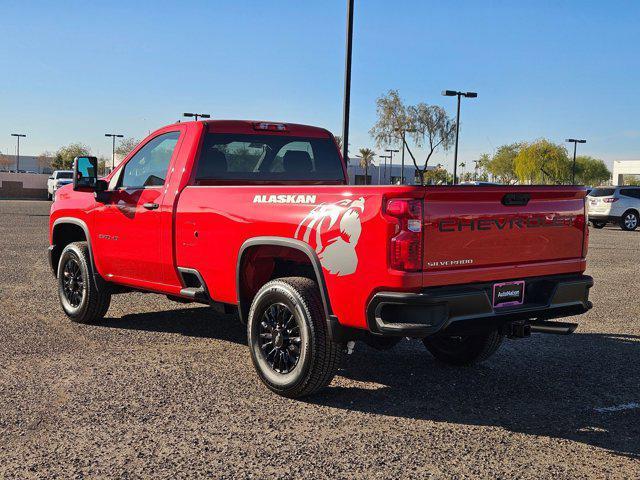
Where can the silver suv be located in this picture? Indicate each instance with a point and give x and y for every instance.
(619, 205)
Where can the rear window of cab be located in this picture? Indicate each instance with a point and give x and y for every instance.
(249, 158)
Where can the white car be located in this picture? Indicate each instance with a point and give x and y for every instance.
(58, 179)
(619, 205)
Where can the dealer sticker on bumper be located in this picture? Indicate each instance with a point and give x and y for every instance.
(508, 294)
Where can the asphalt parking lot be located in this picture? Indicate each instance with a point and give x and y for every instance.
(165, 390)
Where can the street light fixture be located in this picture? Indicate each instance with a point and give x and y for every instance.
(385, 167)
(113, 147)
(18, 135)
(575, 145)
(403, 137)
(454, 93)
(391, 152)
(197, 115)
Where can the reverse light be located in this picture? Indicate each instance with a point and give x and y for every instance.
(271, 127)
(405, 244)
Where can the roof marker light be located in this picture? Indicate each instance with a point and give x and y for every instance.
(271, 127)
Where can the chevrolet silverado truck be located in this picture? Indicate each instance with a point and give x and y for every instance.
(259, 218)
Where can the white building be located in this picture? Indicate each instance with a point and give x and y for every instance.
(382, 174)
(624, 167)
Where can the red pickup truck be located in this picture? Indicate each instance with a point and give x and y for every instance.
(260, 217)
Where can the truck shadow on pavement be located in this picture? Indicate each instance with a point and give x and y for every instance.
(201, 322)
(546, 385)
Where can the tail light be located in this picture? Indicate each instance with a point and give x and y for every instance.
(405, 244)
(610, 200)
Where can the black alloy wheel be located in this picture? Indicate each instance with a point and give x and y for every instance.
(73, 282)
(279, 338)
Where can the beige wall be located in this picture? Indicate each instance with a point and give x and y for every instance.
(23, 185)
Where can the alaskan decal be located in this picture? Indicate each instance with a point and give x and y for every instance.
(284, 198)
(333, 230)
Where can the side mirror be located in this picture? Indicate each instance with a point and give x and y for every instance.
(51, 178)
(85, 174)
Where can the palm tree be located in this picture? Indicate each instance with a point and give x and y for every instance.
(366, 159)
(462, 165)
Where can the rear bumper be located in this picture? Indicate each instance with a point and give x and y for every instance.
(467, 308)
(603, 218)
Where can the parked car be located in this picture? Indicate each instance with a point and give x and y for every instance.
(619, 205)
(259, 217)
(58, 179)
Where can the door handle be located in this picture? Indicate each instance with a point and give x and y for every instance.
(150, 206)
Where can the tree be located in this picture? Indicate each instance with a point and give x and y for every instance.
(502, 164)
(44, 160)
(543, 162)
(392, 121)
(430, 126)
(366, 159)
(103, 164)
(6, 162)
(591, 171)
(65, 155)
(339, 143)
(482, 164)
(462, 165)
(125, 146)
(437, 176)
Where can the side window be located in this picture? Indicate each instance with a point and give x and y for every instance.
(148, 167)
(631, 192)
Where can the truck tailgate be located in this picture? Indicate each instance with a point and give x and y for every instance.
(471, 227)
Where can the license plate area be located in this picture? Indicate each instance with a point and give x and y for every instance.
(508, 294)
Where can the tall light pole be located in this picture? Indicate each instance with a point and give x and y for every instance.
(391, 152)
(113, 147)
(575, 145)
(18, 135)
(385, 167)
(454, 93)
(196, 115)
(347, 82)
(475, 175)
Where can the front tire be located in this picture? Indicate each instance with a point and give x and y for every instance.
(598, 224)
(464, 350)
(289, 340)
(629, 221)
(83, 298)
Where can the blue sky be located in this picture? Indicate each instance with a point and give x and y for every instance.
(72, 71)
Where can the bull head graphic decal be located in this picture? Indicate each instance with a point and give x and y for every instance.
(333, 230)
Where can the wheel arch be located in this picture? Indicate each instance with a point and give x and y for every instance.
(66, 230)
(303, 249)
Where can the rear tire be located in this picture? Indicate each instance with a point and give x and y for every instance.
(463, 350)
(49, 196)
(289, 340)
(598, 224)
(84, 299)
(629, 220)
